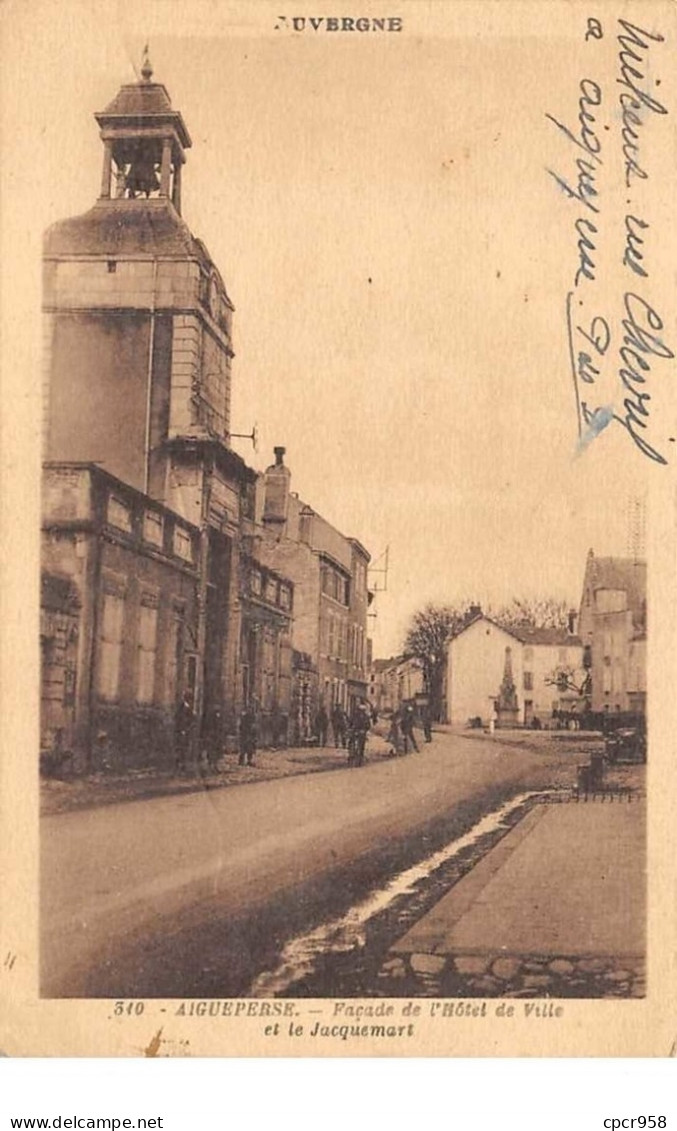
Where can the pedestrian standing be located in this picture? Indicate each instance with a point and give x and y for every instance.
(360, 723)
(427, 722)
(321, 725)
(407, 727)
(278, 728)
(247, 737)
(213, 738)
(394, 733)
(185, 719)
(338, 725)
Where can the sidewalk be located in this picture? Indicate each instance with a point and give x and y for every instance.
(93, 790)
(556, 908)
(566, 741)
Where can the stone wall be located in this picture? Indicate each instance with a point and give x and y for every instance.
(501, 975)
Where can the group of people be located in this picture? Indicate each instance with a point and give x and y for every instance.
(348, 730)
(211, 738)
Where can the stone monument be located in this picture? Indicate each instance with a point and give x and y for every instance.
(507, 708)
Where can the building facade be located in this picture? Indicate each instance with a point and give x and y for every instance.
(329, 574)
(536, 659)
(119, 619)
(138, 354)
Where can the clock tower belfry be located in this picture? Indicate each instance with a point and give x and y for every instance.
(138, 354)
(144, 142)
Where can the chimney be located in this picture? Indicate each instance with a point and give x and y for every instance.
(277, 479)
(474, 611)
(573, 617)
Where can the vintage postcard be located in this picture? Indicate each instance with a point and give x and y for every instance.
(339, 520)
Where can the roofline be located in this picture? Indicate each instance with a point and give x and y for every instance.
(490, 620)
(574, 640)
(316, 514)
(103, 116)
(359, 547)
(224, 455)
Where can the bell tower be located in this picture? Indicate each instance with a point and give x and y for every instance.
(138, 322)
(144, 142)
(137, 354)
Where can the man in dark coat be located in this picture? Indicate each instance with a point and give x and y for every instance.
(247, 737)
(213, 738)
(185, 720)
(407, 728)
(360, 724)
(338, 725)
(321, 725)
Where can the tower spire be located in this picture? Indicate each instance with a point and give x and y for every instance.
(146, 66)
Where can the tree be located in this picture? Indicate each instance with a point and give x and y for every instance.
(427, 639)
(570, 679)
(539, 612)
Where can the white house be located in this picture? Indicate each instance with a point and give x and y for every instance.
(539, 660)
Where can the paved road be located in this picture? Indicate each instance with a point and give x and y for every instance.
(194, 894)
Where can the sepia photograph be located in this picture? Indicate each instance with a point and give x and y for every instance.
(355, 569)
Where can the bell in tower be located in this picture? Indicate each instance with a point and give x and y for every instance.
(142, 176)
(144, 142)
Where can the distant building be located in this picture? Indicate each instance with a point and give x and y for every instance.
(538, 659)
(377, 692)
(612, 627)
(395, 681)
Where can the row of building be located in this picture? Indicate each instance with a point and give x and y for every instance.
(172, 572)
(527, 675)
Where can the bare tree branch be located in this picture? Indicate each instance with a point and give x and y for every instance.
(539, 612)
(427, 639)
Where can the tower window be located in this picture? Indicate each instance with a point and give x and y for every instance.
(112, 266)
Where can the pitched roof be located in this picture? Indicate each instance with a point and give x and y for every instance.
(393, 662)
(527, 634)
(143, 103)
(475, 619)
(139, 98)
(552, 636)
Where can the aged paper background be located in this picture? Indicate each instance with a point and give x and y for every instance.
(479, 71)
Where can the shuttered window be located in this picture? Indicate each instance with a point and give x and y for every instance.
(147, 651)
(110, 645)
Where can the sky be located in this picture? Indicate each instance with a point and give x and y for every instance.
(398, 260)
